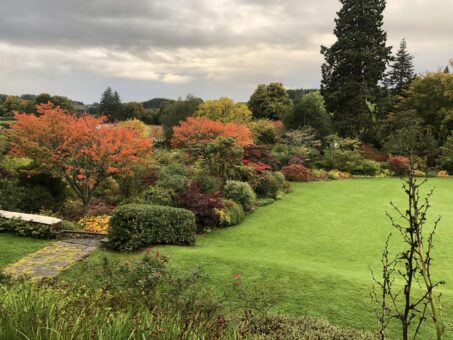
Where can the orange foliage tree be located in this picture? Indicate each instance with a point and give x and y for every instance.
(81, 149)
(202, 131)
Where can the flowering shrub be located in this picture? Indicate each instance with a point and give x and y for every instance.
(400, 165)
(442, 173)
(96, 224)
(296, 173)
(202, 204)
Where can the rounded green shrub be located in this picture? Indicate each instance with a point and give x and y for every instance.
(271, 185)
(137, 225)
(231, 214)
(157, 195)
(240, 192)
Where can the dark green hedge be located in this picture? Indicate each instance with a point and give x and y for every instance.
(137, 225)
(22, 228)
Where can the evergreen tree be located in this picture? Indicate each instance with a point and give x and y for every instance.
(354, 65)
(111, 106)
(402, 70)
(446, 69)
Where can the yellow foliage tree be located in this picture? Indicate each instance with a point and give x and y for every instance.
(224, 110)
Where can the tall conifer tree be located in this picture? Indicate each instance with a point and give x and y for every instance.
(354, 66)
(402, 70)
(111, 106)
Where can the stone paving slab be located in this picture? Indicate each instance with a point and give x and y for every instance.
(51, 260)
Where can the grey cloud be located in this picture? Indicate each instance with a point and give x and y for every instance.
(206, 47)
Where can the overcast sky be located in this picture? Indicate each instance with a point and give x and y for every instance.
(209, 48)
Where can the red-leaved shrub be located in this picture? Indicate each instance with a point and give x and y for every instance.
(372, 153)
(202, 204)
(296, 173)
(400, 165)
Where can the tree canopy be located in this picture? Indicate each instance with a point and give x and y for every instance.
(82, 150)
(354, 65)
(224, 110)
(270, 101)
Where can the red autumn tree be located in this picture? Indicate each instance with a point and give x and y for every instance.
(202, 131)
(81, 149)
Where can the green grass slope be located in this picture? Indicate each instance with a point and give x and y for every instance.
(316, 246)
(13, 247)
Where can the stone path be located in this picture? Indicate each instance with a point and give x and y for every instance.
(51, 260)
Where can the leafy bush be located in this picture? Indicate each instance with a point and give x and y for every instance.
(446, 159)
(157, 195)
(11, 194)
(240, 192)
(296, 173)
(400, 165)
(202, 204)
(173, 176)
(260, 158)
(264, 131)
(231, 214)
(195, 131)
(271, 185)
(294, 328)
(23, 228)
(369, 152)
(136, 225)
(349, 161)
(309, 110)
(284, 153)
(262, 202)
(222, 158)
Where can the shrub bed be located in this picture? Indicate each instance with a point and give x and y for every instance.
(240, 192)
(23, 228)
(137, 225)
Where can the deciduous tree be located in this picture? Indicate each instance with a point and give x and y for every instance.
(224, 110)
(82, 150)
(270, 101)
(203, 131)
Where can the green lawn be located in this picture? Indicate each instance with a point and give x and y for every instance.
(316, 245)
(13, 247)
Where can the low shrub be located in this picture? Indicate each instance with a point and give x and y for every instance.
(400, 165)
(173, 176)
(319, 175)
(262, 202)
(336, 174)
(157, 195)
(349, 161)
(369, 152)
(202, 204)
(271, 185)
(240, 192)
(442, 173)
(264, 131)
(23, 228)
(137, 225)
(294, 327)
(296, 173)
(95, 224)
(231, 214)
